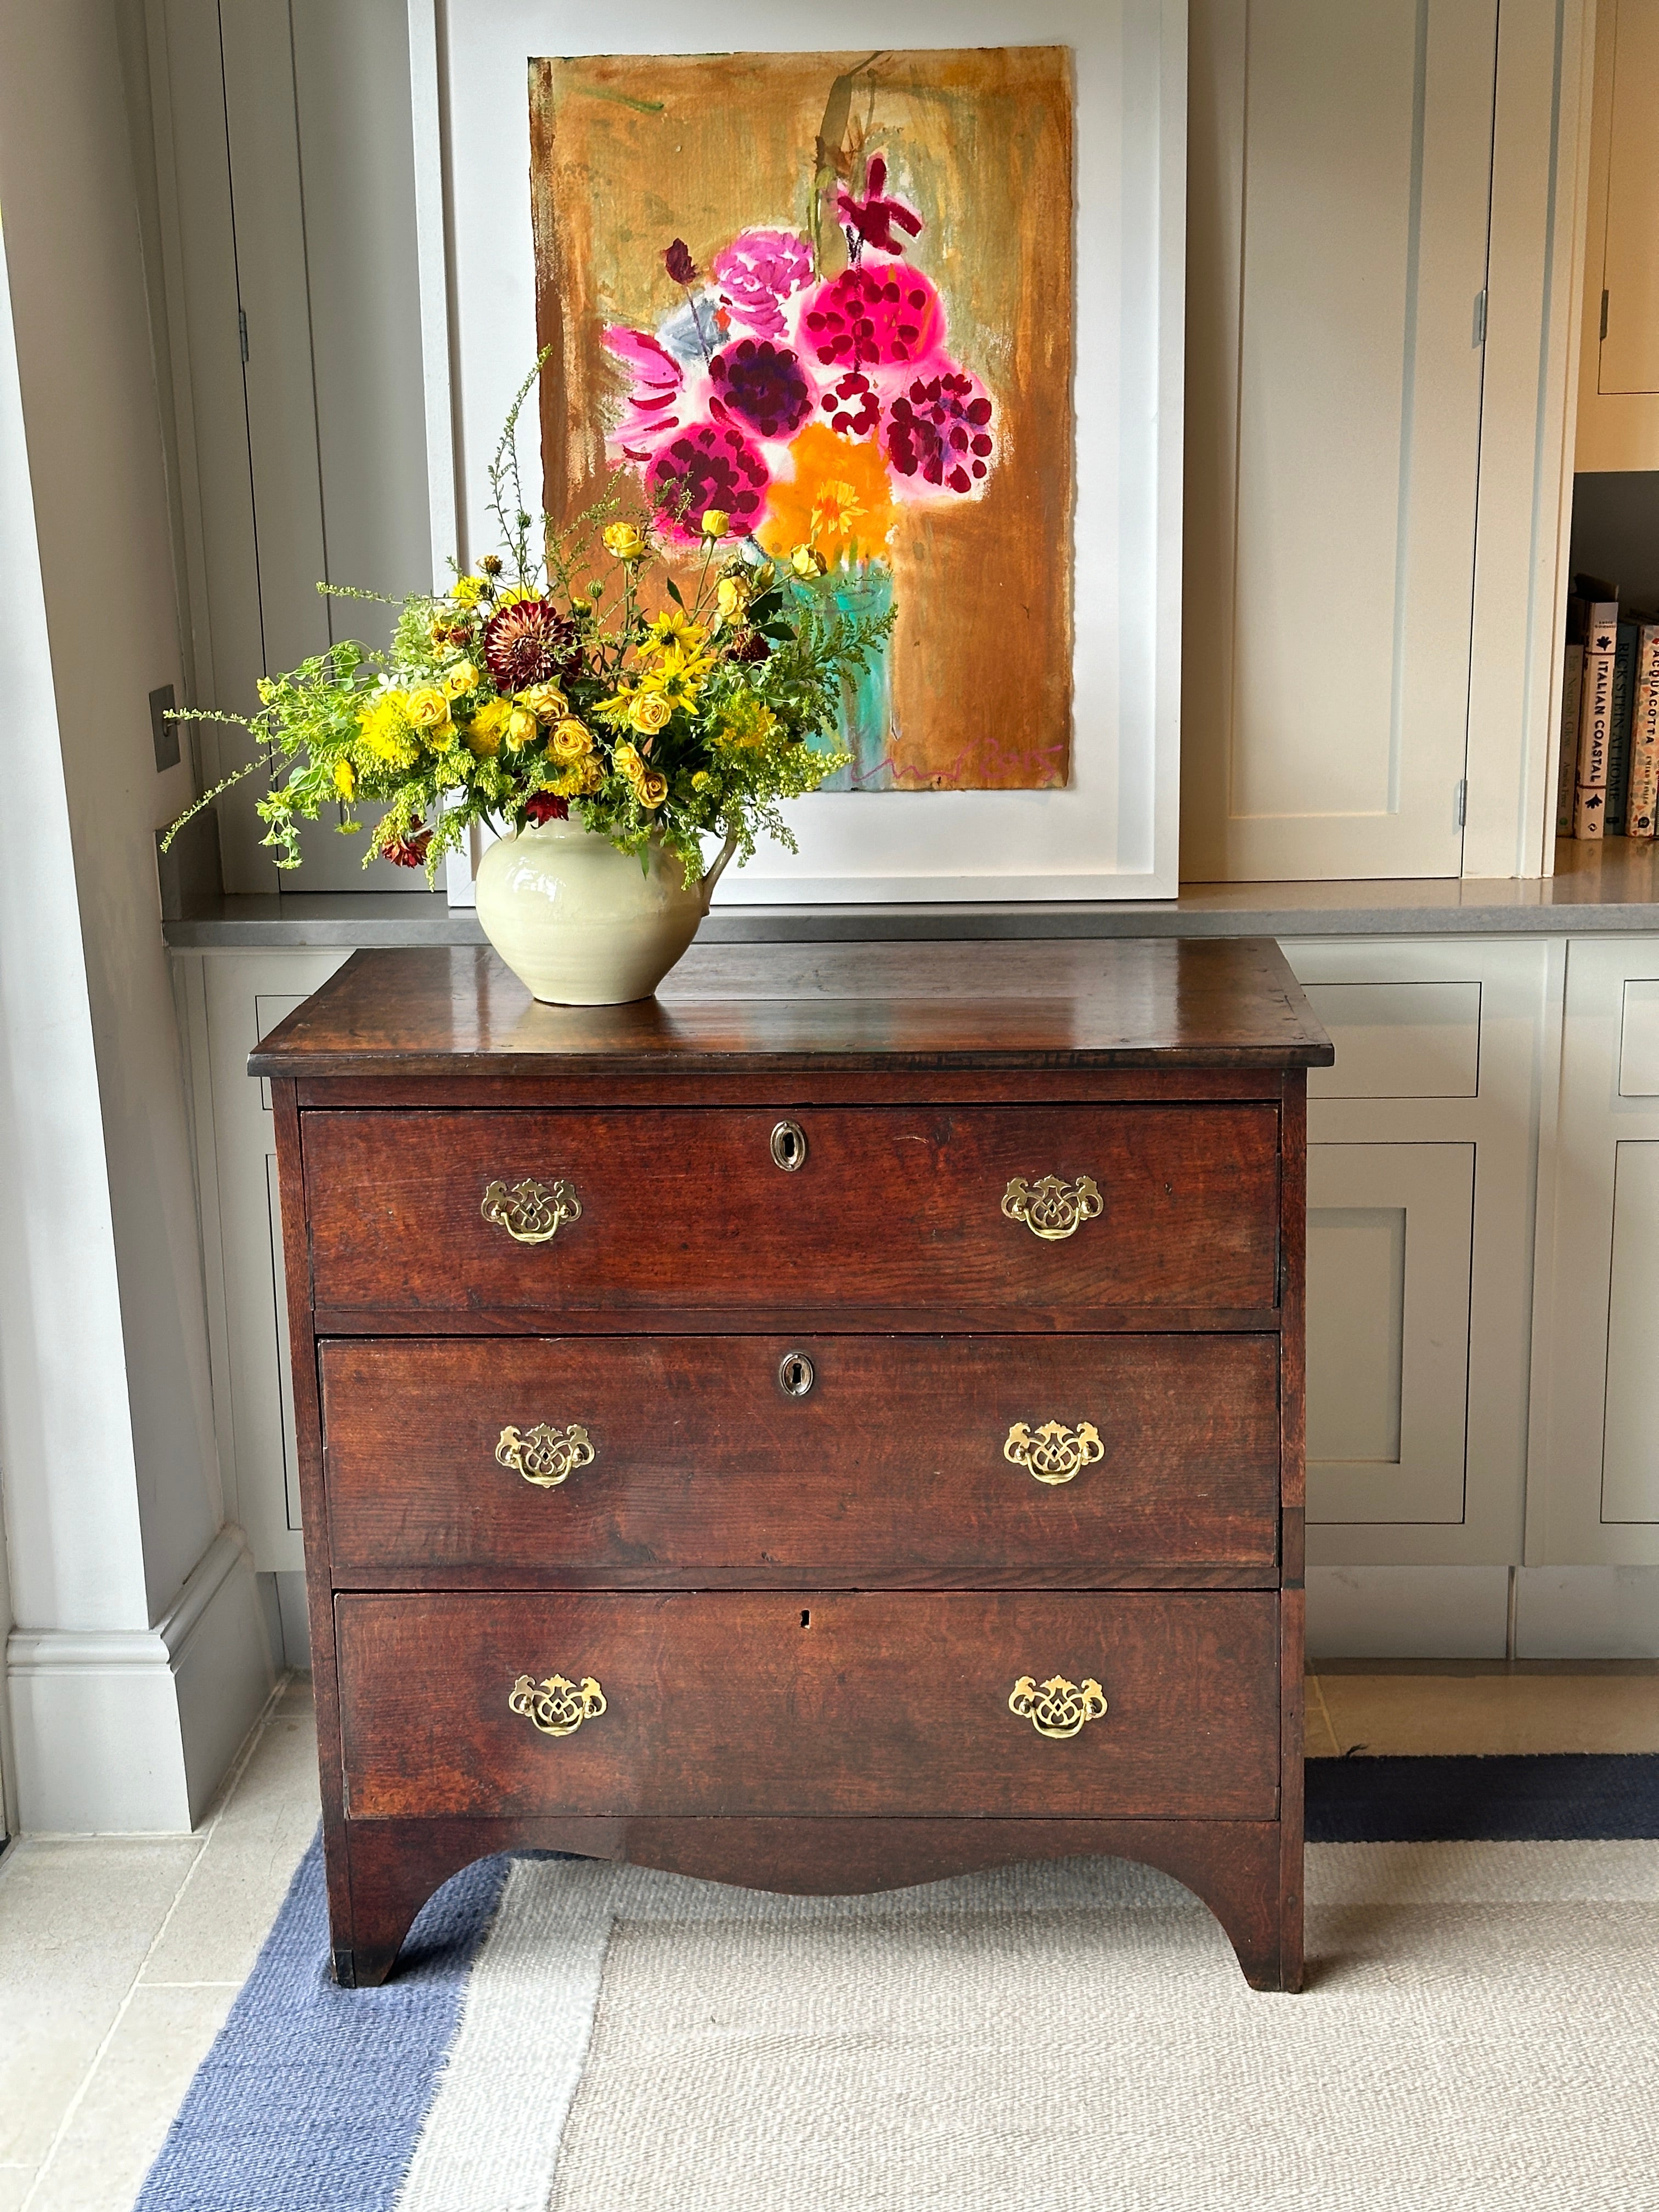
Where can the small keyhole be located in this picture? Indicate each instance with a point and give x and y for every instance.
(789, 1146)
(806, 1620)
(796, 1374)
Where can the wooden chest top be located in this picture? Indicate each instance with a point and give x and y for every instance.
(857, 1008)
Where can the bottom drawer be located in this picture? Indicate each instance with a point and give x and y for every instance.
(798, 1703)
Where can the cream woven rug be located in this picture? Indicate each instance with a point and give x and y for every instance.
(1482, 2029)
(1480, 2034)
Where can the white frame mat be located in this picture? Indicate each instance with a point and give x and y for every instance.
(1111, 832)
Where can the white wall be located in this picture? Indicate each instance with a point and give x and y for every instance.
(106, 1448)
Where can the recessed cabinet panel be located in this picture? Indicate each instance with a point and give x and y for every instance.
(1399, 1040)
(1390, 1238)
(1628, 359)
(1630, 1447)
(1638, 1039)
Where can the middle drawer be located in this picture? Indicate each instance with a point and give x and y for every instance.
(658, 1461)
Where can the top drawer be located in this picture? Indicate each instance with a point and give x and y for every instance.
(897, 1218)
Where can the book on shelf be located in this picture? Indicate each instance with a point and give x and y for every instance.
(1573, 674)
(1619, 722)
(1595, 719)
(1644, 808)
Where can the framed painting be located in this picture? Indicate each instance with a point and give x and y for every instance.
(908, 316)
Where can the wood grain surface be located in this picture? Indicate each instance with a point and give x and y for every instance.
(889, 1471)
(897, 1211)
(1165, 1002)
(813, 1702)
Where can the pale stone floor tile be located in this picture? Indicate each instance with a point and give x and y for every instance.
(248, 1861)
(135, 2087)
(14, 2186)
(77, 1919)
(1448, 1714)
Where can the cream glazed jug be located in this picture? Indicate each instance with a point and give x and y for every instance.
(581, 924)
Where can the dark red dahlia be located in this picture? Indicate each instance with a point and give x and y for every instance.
(940, 429)
(530, 642)
(542, 806)
(764, 383)
(875, 316)
(712, 466)
(749, 645)
(407, 852)
(853, 406)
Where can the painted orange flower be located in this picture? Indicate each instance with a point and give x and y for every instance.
(839, 500)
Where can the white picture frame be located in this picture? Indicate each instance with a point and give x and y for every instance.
(1111, 833)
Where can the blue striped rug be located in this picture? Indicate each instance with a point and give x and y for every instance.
(449, 2090)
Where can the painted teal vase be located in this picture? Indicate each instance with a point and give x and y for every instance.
(866, 697)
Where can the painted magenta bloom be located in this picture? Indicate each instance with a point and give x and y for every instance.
(940, 434)
(711, 466)
(883, 315)
(763, 383)
(657, 407)
(757, 272)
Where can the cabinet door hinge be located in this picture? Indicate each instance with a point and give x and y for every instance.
(1461, 799)
(1603, 331)
(241, 330)
(1479, 338)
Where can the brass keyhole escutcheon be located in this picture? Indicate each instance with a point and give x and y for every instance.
(789, 1146)
(796, 1375)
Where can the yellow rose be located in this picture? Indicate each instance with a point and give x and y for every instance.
(346, 779)
(625, 541)
(808, 562)
(545, 701)
(463, 676)
(628, 761)
(732, 596)
(715, 522)
(427, 707)
(652, 788)
(467, 590)
(485, 732)
(649, 712)
(521, 728)
(571, 741)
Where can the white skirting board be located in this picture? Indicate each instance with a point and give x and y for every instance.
(128, 1732)
(1466, 1613)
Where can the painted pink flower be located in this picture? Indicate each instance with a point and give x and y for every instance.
(757, 272)
(710, 466)
(940, 433)
(882, 315)
(853, 406)
(872, 220)
(658, 402)
(763, 383)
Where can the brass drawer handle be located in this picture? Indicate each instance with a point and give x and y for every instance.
(546, 1456)
(1057, 1708)
(556, 1707)
(531, 1212)
(1055, 1453)
(1051, 1208)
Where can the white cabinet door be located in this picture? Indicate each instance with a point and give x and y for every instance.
(1618, 350)
(233, 998)
(1594, 1489)
(1421, 1166)
(1337, 267)
(1390, 1236)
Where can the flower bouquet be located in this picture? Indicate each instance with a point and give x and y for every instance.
(607, 717)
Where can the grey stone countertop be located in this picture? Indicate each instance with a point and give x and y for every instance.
(1597, 890)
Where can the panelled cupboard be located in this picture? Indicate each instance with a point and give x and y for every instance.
(1483, 1218)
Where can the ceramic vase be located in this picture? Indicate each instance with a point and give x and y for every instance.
(581, 924)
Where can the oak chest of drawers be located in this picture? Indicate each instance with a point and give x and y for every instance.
(835, 1426)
